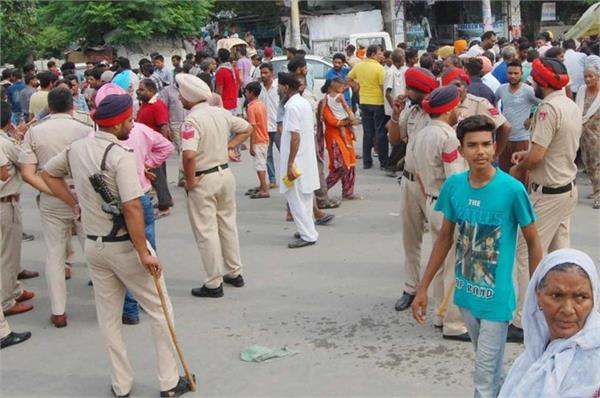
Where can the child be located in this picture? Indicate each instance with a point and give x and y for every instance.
(489, 206)
(259, 141)
(339, 107)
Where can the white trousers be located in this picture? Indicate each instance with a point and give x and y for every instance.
(301, 207)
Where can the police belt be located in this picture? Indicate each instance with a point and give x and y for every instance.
(553, 191)
(409, 175)
(110, 239)
(213, 170)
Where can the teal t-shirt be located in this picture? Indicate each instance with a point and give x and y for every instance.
(487, 219)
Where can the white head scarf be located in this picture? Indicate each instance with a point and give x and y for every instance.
(541, 370)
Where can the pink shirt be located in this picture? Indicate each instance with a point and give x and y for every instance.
(150, 148)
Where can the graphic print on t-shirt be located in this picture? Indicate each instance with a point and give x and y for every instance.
(477, 253)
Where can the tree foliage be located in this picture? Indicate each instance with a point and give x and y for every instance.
(17, 27)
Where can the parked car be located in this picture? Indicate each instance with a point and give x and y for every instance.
(318, 65)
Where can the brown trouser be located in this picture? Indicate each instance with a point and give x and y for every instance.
(510, 148)
(11, 231)
(553, 223)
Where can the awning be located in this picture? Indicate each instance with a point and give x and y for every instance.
(588, 24)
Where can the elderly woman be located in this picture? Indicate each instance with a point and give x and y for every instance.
(562, 331)
(588, 101)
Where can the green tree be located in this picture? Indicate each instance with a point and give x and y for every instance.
(17, 24)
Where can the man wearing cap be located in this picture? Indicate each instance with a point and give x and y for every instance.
(210, 184)
(437, 157)
(403, 127)
(550, 162)
(471, 105)
(42, 142)
(117, 254)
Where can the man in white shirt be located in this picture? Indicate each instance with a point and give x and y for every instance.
(488, 40)
(298, 161)
(575, 63)
(394, 85)
(270, 97)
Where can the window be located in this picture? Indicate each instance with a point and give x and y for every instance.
(319, 68)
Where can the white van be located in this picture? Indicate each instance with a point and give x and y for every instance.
(328, 47)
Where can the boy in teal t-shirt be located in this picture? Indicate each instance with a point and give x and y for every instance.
(488, 206)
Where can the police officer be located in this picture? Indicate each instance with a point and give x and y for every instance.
(117, 253)
(471, 105)
(11, 228)
(437, 157)
(404, 125)
(210, 184)
(550, 161)
(7, 337)
(42, 142)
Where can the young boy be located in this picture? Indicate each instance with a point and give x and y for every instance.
(259, 141)
(488, 206)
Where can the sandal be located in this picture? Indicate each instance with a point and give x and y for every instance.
(596, 204)
(161, 214)
(260, 195)
(251, 191)
(353, 197)
(324, 220)
(330, 204)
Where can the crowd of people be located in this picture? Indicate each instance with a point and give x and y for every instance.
(484, 140)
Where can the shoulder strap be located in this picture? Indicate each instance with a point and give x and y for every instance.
(108, 148)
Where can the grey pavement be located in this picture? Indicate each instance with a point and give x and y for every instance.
(333, 302)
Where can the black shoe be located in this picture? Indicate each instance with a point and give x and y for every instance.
(299, 243)
(404, 302)
(90, 283)
(367, 166)
(14, 338)
(27, 237)
(238, 281)
(115, 394)
(514, 334)
(130, 321)
(207, 292)
(181, 388)
(457, 337)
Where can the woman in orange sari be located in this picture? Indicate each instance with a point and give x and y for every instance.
(342, 157)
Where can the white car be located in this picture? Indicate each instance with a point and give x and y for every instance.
(318, 65)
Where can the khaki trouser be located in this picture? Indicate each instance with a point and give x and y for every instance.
(57, 224)
(11, 231)
(413, 210)
(553, 223)
(212, 213)
(4, 328)
(114, 267)
(445, 278)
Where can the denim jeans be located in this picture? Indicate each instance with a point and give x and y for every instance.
(373, 121)
(131, 308)
(270, 161)
(489, 340)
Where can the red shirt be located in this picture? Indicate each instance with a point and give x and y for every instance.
(153, 115)
(225, 78)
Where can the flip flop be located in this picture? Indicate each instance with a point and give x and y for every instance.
(353, 197)
(331, 204)
(259, 195)
(161, 214)
(251, 191)
(324, 220)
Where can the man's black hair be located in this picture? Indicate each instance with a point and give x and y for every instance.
(17, 73)
(50, 64)
(515, 63)
(297, 62)
(339, 56)
(569, 44)
(223, 55)
(206, 78)
(288, 79)
(149, 84)
(473, 124)
(147, 68)
(291, 50)
(473, 67)
(242, 50)
(29, 77)
(412, 52)
(46, 78)
(351, 48)
(426, 61)
(432, 48)
(60, 100)
(524, 45)
(6, 73)
(553, 52)
(96, 73)
(123, 63)
(67, 66)
(254, 88)
(4, 114)
(488, 35)
(532, 54)
(28, 68)
(199, 56)
(158, 57)
(372, 50)
(266, 65)
(177, 57)
(301, 52)
(71, 77)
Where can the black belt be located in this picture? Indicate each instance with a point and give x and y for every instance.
(10, 198)
(109, 239)
(408, 175)
(213, 170)
(553, 191)
(433, 197)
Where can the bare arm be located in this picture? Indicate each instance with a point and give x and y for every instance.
(189, 168)
(239, 138)
(166, 132)
(395, 133)
(58, 187)
(31, 176)
(4, 173)
(440, 250)
(534, 246)
(134, 219)
(526, 160)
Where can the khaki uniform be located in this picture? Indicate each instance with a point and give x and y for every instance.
(473, 105)
(115, 266)
(11, 228)
(4, 328)
(412, 200)
(557, 127)
(211, 203)
(437, 157)
(42, 142)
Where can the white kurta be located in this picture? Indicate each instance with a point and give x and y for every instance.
(299, 117)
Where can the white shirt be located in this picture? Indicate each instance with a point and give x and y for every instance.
(474, 51)
(575, 64)
(394, 79)
(270, 98)
(336, 107)
(296, 119)
(490, 80)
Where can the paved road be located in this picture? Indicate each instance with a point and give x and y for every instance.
(333, 302)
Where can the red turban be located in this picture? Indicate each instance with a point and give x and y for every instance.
(441, 100)
(549, 73)
(420, 79)
(452, 74)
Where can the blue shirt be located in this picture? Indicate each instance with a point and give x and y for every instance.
(487, 218)
(13, 96)
(501, 72)
(343, 75)
(479, 89)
